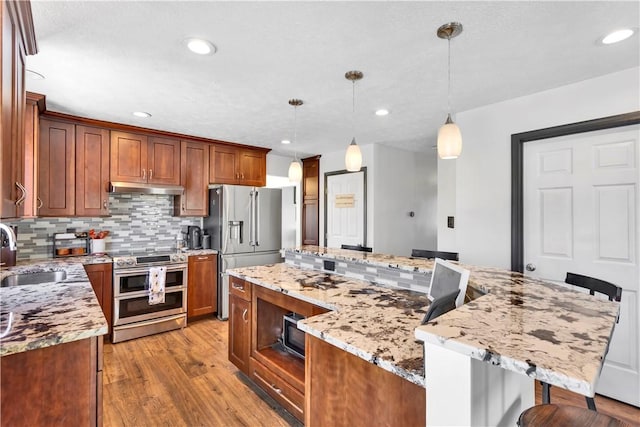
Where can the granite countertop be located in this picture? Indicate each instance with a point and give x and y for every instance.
(421, 265)
(372, 322)
(543, 330)
(48, 314)
(194, 252)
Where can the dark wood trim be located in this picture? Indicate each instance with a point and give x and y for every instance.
(517, 148)
(136, 129)
(37, 99)
(22, 10)
(364, 206)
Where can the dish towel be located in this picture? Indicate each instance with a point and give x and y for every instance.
(157, 278)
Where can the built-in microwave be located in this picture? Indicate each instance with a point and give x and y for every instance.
(292, 337)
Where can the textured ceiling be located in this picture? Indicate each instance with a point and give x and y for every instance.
(105, 60)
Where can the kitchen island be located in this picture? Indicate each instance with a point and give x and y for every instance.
(51, 357)
(520, 331)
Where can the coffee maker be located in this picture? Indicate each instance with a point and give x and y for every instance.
(194, 237)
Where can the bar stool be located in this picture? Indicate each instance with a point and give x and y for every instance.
(357, 248)
(594, 285)
(423, 253)
(548, 415)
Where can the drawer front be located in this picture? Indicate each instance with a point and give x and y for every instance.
(279, 389)
(202, 258)
(240, 288)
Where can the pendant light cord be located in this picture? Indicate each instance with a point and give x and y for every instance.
(449, 74)
(353, 115)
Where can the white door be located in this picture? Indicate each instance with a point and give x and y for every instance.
(581, 210)
(345, 209)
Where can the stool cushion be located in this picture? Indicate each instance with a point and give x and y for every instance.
(565, 415)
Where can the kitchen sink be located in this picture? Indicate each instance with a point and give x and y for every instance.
(33, 278)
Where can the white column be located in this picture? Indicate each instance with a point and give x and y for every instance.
(462, 391)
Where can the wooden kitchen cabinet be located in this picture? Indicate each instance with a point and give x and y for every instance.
(239, 323)
(202, 285)
(100, 276)
(56, 385)
(194, 166)
(17, 41)
(56, 169)
(142, 159)
(35, 105)
(310, 201)
(237, 165)
(92, 171)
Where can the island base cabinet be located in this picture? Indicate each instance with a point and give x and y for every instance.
(239, 332)
(341, 387)
(56, 385)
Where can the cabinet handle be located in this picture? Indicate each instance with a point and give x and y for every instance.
(104, 204)
(144, 174)
(203, 258)
(237, 287)
(276, 389)
(244, 315)
(40, 203)
(23, 196)
(182, 205)
(150, 173)
(242, 175)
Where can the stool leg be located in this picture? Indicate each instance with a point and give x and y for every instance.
(546, 393)
(591, 403)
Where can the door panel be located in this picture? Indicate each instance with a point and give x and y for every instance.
(164, 161)
(581, 211)
(269, 215)
(236, 233)
(345, 209)
(56, 169)
(128, 157)
(92, 171)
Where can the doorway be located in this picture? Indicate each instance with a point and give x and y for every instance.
(575, 208)
(345, 208)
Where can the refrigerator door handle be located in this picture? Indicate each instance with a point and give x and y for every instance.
(252, 219)
(257, 219)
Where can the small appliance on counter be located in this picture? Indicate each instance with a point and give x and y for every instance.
(206, 241)
(9, 247)
(194, 237)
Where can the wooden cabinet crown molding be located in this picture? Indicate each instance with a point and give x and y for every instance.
(146, 131)
(37, 99)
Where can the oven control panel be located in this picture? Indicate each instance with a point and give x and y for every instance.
(148, 260)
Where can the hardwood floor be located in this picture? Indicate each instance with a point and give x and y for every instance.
(183, 378)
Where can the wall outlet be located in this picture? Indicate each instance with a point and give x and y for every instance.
(450, 222)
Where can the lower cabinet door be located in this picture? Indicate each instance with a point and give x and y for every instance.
(239, 332)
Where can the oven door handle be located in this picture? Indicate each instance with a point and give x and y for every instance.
(145, 270)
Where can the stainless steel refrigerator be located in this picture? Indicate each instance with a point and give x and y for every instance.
(245, 225)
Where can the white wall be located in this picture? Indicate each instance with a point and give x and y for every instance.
(482, 188)
(405, 182)
(398, 182)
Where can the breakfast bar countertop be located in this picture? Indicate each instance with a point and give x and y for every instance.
(49, 314)
(372, 322)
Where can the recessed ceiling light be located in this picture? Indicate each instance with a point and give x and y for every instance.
(141, 114)
(617, 36)
(201, 46)
(34, 76)
(285, 141)
(382, 112)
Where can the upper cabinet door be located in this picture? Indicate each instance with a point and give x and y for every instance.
(56, 169)
(253, 168)
(164, 161)
(92, 171)
(194, 167)
(224, 165)
(128, 157)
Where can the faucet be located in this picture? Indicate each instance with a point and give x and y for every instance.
(13, 245)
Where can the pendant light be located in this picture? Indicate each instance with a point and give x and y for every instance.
(353, 158)
(449, 137)
(295, 168)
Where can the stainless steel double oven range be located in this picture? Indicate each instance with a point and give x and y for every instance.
(133, 316)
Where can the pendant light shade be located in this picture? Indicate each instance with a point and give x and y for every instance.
(353, 158)
(449, 140)
(449, 136)
(295, 171)
(295, 168)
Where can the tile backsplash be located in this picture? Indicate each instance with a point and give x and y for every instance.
(137, 222)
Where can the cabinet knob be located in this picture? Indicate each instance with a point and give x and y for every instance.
(144, 174)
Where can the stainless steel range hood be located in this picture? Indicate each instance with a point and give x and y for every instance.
(140, 188)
